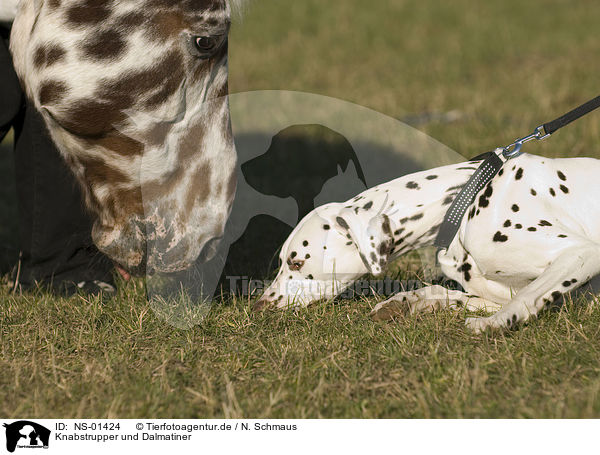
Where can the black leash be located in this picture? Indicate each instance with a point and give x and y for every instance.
(492, 164)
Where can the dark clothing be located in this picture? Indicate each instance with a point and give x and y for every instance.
(55, 229)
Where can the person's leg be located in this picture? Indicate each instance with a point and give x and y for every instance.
(11, 97)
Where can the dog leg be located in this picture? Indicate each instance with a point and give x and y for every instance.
(570, 270)
(429, 299)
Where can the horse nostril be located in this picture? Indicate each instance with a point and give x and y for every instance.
(210, 249)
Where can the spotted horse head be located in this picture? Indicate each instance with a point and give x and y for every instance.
(134, 94)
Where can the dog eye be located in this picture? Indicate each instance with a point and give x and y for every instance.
(206, 46)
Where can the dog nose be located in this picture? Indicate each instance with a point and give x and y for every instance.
(261, 305)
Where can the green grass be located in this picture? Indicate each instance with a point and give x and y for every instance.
(507, 66)
(81, 358)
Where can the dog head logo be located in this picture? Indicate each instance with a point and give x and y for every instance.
(26, 434)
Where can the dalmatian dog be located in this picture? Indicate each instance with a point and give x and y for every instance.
(531, 235)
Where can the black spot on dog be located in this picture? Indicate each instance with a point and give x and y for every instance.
(349, 243)
(368, 205)
(573, 280)
(326, 227)
(325, 247)
(293, 255)
(465, 168)
(566, 284)
(533, 192)
(305, 243)
(310, 277)
(518, 226)
(454, 188)
(519, 174)
(431, 177)
(465, 269)
(501, 172)
(412, 185)
(385, 227)
(545, 223)
(363, 258)
(561, 176)
(416, 217)
(433, 229)
(484, 198)
(339, 220)
(307, 256)
(373, 257)
(483, 202)
(552, 192)
(564, 189)
(448, 200)
(499, 237)
(561, 236)
(398, 231)
(471, 213)
(383, 248)
(515, 208)
(507, 223)
(532, 229)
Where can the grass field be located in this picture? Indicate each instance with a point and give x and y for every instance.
(507, 66)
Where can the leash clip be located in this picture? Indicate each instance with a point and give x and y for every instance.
(513, 150)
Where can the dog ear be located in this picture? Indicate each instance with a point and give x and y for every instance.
(372, 235)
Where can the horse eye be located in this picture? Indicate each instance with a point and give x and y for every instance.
(206, 46)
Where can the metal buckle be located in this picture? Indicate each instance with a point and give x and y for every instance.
(513, 150)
